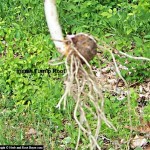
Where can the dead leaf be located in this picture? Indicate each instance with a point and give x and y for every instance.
(145, 128)
(147, 147)
(138, 141)
(31, 132)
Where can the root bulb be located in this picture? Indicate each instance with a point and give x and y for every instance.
(84, 44)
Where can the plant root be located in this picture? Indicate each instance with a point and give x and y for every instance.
(82, 84)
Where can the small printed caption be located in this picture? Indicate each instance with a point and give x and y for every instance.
(43, 71)
(21, 147)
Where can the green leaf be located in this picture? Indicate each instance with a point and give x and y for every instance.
(138, 41)
(147, 36)
(67, 140)
(106, 14)
(129, 31)
(138, 148)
